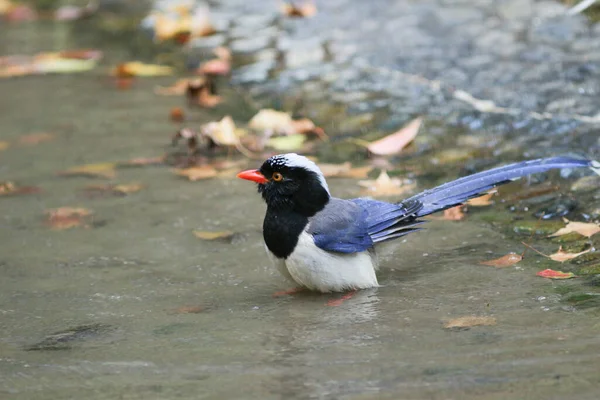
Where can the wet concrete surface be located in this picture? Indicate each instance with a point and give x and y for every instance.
(99, 312)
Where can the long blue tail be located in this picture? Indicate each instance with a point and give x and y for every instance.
(457, 192)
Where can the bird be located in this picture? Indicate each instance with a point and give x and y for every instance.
(328, 244)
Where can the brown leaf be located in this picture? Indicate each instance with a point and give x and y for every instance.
(552, 274)
(177, 89)
(385, 186)
(197, 173)
(36, 138)
(344, 170)
(504, 261)
(562, 256)
(136, 68)
(66, 217)
(454, 214)
(10, 189)
(482, 201)
(176, 114)
(305, 10)
(587, 229)
(4, 145)
(103, 170)
(141, 161)
(220, 235)
(469, 321)
(392, 144)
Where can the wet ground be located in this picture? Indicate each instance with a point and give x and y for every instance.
(135, 306)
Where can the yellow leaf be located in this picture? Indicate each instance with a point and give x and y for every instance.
(4, 145)
(385, 186)
(128, 188)
(136, 68)
(197, 173)
(223, 133)
(205, 235)
(104, 170)
(287, 143)
(469, 321)
(271, 120)
(587, 229)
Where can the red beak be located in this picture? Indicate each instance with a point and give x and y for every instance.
(253, 175)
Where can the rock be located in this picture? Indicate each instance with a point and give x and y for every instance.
(515, 9)
(251, 45)
(63, 340)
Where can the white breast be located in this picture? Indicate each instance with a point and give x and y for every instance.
(323, 271)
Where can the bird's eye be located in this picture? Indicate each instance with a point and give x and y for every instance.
(277, 177)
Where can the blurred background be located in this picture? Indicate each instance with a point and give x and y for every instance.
(131, 259)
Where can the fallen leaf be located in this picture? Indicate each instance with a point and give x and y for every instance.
(197, 173)
(482, 201)
(221, 235)
(142, 161)
(182, 23)
(454, 214)
(176, 114)
(504, 261)
(469, 321)
(552, 274)
(271, 122)
(222, 133)
(11, 189)
(392, 144)
(222, 53)
(203, 92)
(45, 63)
(103, 170)
(215, 67)
(66, 217)
(562, 256)
(35, 138)
(287, 143)
(344, 170)
(112, 190)
(385, 186)
(305, 10)
(587, 229)
(136, 68)
(4, 145)
(15, 12)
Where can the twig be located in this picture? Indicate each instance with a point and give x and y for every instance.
(580, 7)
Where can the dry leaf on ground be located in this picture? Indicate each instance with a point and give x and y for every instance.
(287, 143)
(15, 12)
(189, 310)
(197, 173)
(103, 170)
(35, 138)
(271, 122)
(114, 190)
(179, 88)
(136, 68)
(454, 214)
(176, 114)
(66, 217)
(11, 189)
(587, 229)
(143, 161)
(385, 186)
(220, 235)
(218, 66)
(306, 9)
(481, 201)
(562, 256)
(4, 145)
(345, 170)
(181, 22)
(202, 92)
(45, 63)
(469, 321)
(504, 261)
(394, 143)
(552, 274)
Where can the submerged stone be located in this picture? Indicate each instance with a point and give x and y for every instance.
(63, 340)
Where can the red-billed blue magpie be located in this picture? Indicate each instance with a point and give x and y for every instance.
(328, 244)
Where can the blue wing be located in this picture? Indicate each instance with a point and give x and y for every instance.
(351, 226)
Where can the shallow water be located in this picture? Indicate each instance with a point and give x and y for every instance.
(140, 263)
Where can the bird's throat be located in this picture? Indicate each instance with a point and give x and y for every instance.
(281, 231)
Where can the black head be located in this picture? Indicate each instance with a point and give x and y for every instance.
(291, 182)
